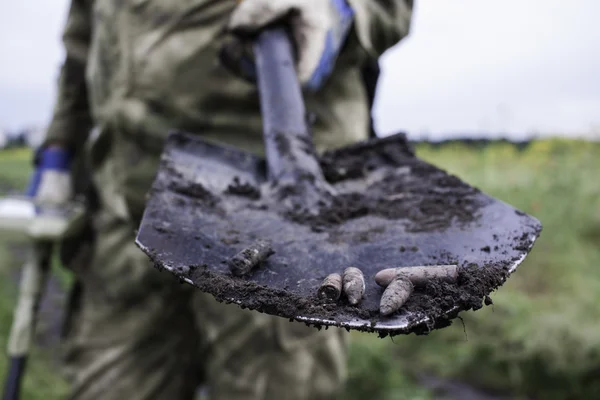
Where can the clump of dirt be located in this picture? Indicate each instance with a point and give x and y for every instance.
(283, 143)
(192, 189)
(427, 198)
(522, 242)
(162, 228)
(356, 161)
(243, 189)
(437, 297)
(178, 184)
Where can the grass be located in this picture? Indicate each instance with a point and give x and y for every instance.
(540, 339)
(15, 168)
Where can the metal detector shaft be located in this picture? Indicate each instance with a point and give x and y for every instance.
(33, 283)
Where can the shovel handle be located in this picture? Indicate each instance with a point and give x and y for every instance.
(288, 142)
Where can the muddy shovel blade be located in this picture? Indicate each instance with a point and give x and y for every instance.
(209, 203)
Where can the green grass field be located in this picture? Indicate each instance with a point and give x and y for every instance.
(540, 339)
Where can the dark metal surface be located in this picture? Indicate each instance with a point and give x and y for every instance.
(193, 224)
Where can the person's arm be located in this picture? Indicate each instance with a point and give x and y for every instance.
(71, 121)
(381, 24)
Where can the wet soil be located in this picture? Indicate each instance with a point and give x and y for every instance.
(239, 188)
(426, 197)
(425, 207)
(195, 190)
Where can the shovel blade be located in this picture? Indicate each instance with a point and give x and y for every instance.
(209, 202)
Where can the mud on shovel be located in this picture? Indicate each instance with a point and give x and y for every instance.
(264, 233)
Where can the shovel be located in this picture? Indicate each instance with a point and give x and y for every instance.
(264, 233)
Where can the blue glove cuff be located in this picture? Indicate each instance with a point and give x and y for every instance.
(56, 159)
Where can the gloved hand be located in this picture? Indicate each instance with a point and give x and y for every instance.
(51, 182)
(319, 29)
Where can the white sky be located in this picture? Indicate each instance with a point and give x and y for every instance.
(480, 67)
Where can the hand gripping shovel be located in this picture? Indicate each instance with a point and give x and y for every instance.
(265, 233)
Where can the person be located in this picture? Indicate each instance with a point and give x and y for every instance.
(133, 70)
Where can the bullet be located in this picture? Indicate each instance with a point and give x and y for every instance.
(246, 260)
(354, 284)
(395, 295)
(418, 275)
(331, 288)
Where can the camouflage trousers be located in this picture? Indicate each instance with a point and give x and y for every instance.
(138, 334)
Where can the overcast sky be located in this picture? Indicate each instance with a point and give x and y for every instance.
(469, 66)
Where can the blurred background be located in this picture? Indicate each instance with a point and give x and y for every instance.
(503, 94)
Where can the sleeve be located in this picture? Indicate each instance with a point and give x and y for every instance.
(381, 24)
(71, 121)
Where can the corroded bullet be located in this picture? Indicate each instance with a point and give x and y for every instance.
(395, 295)
(354, 284)
(418, 275)
(331, 288)
(244, 261)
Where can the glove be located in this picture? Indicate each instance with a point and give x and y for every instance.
(319, 29)
(51, 182)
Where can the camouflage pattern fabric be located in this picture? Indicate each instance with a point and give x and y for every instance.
(135, 69)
